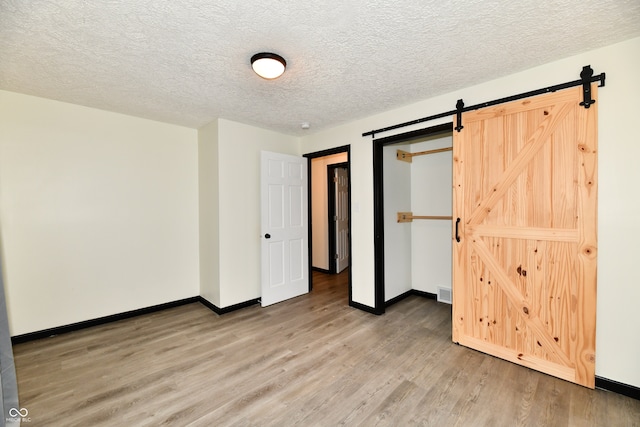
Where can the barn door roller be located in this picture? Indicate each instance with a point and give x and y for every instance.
(586, 74)
(459, 109)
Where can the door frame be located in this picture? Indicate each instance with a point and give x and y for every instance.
(378, 201)
(331, 211)
(309, 157)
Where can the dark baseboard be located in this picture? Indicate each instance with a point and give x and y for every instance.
(416, 292)
(99, 321)
(322, 270)
(392, 301)
(366, 308)
(620, 388)
(399, 298)
(228, 309)
(424, 294)
(45, 333)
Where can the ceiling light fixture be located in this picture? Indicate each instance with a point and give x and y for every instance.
(268, 65)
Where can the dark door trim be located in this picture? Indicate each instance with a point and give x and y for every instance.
(378, 200)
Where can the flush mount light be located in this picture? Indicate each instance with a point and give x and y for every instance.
(268, 65)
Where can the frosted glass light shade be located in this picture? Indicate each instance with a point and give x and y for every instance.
(268, 65)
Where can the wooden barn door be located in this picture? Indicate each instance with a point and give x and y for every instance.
(525, 193)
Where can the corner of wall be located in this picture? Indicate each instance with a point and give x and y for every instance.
(208, 210)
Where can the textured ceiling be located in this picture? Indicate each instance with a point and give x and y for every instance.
(187, 61)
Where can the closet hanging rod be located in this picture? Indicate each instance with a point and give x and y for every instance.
(586, 77)
(405, 156)
(409, 217)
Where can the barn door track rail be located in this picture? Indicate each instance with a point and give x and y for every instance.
(586, 78)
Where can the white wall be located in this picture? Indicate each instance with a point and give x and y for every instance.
(618, 331)
(98, 212)
(397, 236)
(239, 148)
(360, 163)
(320, 208)
(431, 192)
(209, 226)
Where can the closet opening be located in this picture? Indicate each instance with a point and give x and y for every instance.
(412, 215)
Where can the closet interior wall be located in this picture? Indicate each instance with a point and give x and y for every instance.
(397, 236)
(418, 253)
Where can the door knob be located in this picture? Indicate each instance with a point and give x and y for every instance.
(267, 236)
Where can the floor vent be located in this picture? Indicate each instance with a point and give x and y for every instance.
(444, 295)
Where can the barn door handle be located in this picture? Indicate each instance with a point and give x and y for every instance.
(457, 225)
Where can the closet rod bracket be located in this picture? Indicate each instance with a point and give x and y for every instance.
(404, 156)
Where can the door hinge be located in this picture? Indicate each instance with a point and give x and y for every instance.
(336, 256)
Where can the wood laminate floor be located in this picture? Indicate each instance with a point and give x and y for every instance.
(309, 361)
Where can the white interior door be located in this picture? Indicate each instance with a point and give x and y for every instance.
(285, 260)
(342, 218)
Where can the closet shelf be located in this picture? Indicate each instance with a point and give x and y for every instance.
(405, 156)
(409, 217)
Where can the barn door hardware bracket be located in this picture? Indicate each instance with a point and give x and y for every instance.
(585, 75)
(459, 110)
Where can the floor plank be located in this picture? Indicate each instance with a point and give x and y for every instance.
(311, 361)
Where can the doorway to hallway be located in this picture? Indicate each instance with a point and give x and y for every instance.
(329, 215)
